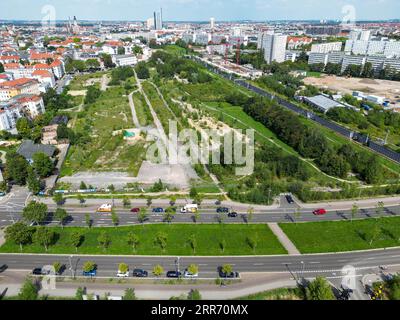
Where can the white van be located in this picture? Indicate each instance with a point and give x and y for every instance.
(190, 208)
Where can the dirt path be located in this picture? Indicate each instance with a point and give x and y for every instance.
(104, 82)
(134, 114)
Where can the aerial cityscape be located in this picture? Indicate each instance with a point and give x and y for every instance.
(199, 150)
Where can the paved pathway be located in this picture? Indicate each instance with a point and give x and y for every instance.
(134, 115)
(283, 239)
(2, 238)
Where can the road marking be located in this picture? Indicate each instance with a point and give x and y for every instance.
(258, 264)
(286, 263)
(398, 256)
(315, 262)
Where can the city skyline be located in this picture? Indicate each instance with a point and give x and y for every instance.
(202, 10)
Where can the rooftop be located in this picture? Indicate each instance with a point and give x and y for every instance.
(28, 148)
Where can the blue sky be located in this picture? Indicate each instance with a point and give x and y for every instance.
(201, 9)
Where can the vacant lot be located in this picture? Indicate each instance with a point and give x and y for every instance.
(384, 88)
(318, 237)
(210, 239)
(103, 151)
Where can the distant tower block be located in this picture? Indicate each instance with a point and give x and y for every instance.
(212, 23)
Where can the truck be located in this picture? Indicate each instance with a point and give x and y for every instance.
(190, 208)
(105, 208)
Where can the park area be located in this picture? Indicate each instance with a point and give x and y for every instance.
(321, 237)
(180, 239)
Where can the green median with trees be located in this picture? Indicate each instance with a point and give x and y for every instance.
(182, 239)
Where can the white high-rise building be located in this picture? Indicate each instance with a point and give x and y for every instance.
(212, 23)
(362, 35)
(274, 47)
(326, 47)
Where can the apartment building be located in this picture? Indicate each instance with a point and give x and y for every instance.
(385, 48)
(274, 47)
(10, 89)
(327, 47)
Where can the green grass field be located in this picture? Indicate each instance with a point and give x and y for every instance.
(142, 110)
(278, 294)
(340, 236)
(208, 238)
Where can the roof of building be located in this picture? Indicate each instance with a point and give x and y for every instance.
(323, 102)
(28, 148)
(17, 83)
(42, 73)
(8, 66)
(59, 120)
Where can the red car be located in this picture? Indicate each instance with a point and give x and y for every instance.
(320, 212)
(135, 210)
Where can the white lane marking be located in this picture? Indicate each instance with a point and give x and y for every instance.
(258, 264)
(315, 262)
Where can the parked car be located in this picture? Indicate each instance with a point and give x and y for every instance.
(2, 194)
(39, 272)
(187, 274)
(320, 212)
(222, 210)
(174, 274)
(121, 274)
(91, 273)
(135, 210)
(231, 275)
(158, 210)
(289, 199)
(140, 273)
(3, 268)
(232, 214)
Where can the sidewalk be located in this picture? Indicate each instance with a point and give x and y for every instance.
(283, 239)
(347, 204)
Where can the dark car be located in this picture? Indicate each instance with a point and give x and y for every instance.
(37, 272)
(232, 214)
(289, 199)
(222, 210)
(135, 210)
(158, 210)
(140, 273)
(231, 275)
(174, 274)
(91, 273)
(3, 268)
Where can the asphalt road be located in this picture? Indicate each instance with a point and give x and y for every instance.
(207, 215)
(304, 265)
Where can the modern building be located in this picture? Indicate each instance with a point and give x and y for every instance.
(384, 48)
(327, 30)
(212, 23)
(326, 47)
(274, 46)
(10, 89)
(124, 60)
(363, 35)
(322, 103)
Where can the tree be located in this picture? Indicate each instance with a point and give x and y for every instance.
(168, 215)
(133, 240)
(142, 215)
(43, 236)
(158, 270)
(221, 218)
(252, 241)
(376, 232)
(193, 269)
(18, 233)
(194, 294)
(193, 192)
(149, 202)
(222, 245)
(79, 293)
(33, 182)
(76, 239)
(126, 202)
(58, 199)
(16, 168)
(107, 60)
(24, 128)
(88, 220)
(142, 71)
(319, 289)
(92, 94)
(227, 269)
(57, 267)
(35, 212)
(114, 218)
(89, 266)
(42, 164)
(129, 294)
(1, 68)
(61, 215)
(81, 199)
(121, 50)
(172, 201)
(123, 267)
(196, 216)
(192, 242)
(354, 211)
(83, 186)
(104, 240)
(28, 291)
(161, 240)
